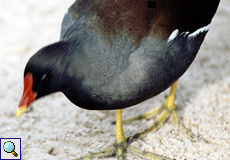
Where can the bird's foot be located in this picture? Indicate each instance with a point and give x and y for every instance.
(120, 150)
(106, 153)
(121, 144)
(164, 111)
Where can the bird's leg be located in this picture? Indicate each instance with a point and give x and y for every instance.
(165, 110)
(147, 115)
(163, 116)
(106, 153)
(121, 145)
(169, 103)
(120, 141)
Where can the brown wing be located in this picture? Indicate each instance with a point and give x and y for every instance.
(141, 18)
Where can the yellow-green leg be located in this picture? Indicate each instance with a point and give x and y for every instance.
(120, 141)
(105, 153)
(169, 104)
(120, 146)
(165, 110)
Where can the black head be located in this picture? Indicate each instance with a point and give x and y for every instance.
(44, 74)
(47, 67)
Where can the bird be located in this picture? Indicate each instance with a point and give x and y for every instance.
(113, 54)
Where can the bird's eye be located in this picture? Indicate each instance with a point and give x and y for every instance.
(45, 78)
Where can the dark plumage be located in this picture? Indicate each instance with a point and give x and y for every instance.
(113, 54)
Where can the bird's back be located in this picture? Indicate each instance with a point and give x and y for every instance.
(139, 18)
(131, 50)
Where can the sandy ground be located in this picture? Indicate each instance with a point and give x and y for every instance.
(56, 129)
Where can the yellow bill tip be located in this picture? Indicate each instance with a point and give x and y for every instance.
(21, 110)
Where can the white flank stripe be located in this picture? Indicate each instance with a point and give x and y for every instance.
(173, 35)
(203, 29)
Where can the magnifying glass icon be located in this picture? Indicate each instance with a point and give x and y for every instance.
(9, 147)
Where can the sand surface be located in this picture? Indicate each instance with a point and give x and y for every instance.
(56, 129)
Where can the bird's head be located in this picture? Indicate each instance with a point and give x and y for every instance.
(43, 75)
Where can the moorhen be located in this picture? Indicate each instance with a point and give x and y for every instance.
(113, 54)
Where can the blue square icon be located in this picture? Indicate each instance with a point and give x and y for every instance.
(10, 148)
